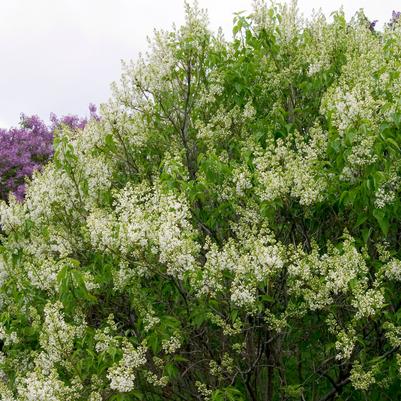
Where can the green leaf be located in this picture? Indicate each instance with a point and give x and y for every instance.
(366, 232)
(361, 219)
(382, 219)
(394, 143)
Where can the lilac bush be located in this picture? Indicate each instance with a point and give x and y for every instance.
(22, 151)
(28, 147)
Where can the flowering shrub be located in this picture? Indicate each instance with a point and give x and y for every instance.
(228, 230)
(24, 150)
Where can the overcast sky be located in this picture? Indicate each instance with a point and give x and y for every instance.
(60, 55)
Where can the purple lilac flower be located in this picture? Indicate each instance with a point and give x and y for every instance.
(373, 24)
(93, 112)
(69, 120)
(73, 121)
(27, 148)
(395, 17)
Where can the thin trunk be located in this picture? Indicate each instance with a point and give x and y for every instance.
(270, 371)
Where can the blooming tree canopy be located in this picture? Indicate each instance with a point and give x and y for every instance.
(228, 230)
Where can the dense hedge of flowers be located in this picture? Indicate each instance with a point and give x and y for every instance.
(228, 230)
(27, 148)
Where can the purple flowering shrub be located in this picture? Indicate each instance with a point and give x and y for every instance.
(28, 147)
(22, 151)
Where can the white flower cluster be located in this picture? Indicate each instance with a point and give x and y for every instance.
(95, 396)
(122, 374)
(38, 386)
(102, 227)
(323, 41)
(6, 393)
(8, 337)
(44, 275)
(175, 235)
(171, 345)
(243, 296)
(12, 215)
(150, 222)
(360, 379)
(319, 278)
(283, 170)
(387, 192)
(57, 337)
(161, 222)
(150, 321)
(224, 125)
(155, 380)
(367, 303)
(354, 103)
(252, 259)
(124, 274)
(285, 13)
(105, 338)
(393, 334)
(97, 172)
(345, 344)
(242, 180)
(349, 106)
(392, 270)
(205, 392)
(228, 328)
(50, 187)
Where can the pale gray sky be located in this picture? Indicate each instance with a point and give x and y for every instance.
(60, 55)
